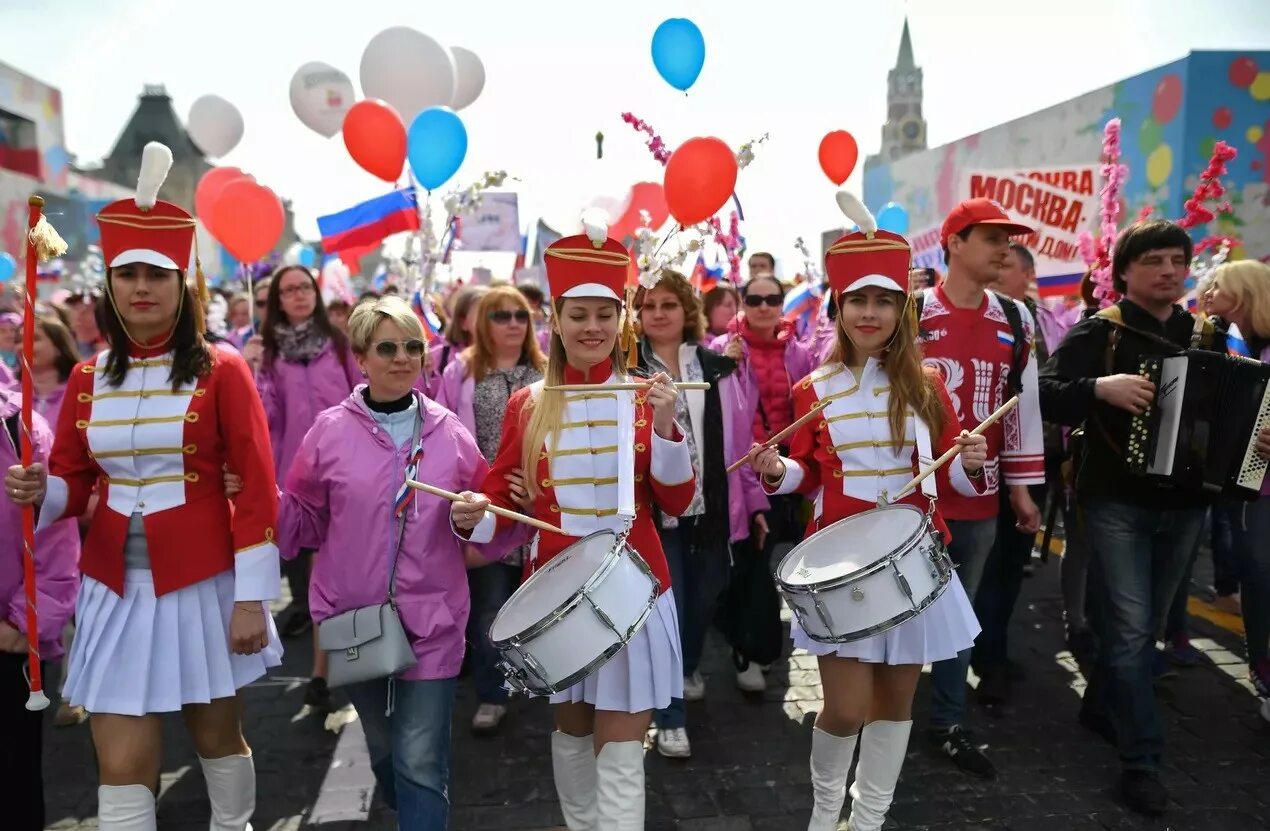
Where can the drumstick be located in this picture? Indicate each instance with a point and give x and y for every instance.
(683, 385)
(956, 448)
(779, 437)
(493, 509)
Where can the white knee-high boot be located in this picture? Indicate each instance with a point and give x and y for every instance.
(882, 748)
(830, 764)
(573, 768)
(619, 791)
(125, 808)
(231, 788)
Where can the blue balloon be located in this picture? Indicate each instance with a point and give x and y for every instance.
(8, 267)
(679, 52)
(307, 258)
(893, 218)
(436, 145)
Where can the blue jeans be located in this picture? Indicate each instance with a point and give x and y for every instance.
(1252, 548)
(972, 542)
(409, 750)
(1140, 555)
(489, 586)
(697, 575)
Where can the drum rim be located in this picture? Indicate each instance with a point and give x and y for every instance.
(886, 625)
(864, 571)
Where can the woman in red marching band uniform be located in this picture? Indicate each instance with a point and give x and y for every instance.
(600, 460)
(885, 414)
(171, 613)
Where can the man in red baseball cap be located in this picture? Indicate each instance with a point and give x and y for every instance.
(981, 342)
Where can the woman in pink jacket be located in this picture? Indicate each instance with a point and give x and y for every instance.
(726, 506)
(771, 361)
(503, 357)
(57, 583)
(303, 366)
(52, 360)
(345, 497)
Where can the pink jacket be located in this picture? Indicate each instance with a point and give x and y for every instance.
(799, 362)
(56, 548)
(455, 391)
(8, 381)
(50, 405)
(338, 499)
(737, 438)
(294, 394)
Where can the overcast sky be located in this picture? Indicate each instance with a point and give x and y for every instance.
(559, 71)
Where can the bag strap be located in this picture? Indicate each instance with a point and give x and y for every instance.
(1018, 352)
(416, 455)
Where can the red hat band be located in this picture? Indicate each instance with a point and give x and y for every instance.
(880, 258)
(578, 267)
(162, 236)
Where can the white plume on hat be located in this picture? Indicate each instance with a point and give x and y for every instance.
(595, 223)
(156, 161)
(856, 211)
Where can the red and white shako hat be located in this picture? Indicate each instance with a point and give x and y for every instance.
(144, 229)
(867, 256)
(588, 265)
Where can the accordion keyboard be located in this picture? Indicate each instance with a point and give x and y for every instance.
(1141, 442)
(1253, 470)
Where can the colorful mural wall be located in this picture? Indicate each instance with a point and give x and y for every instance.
(1171, 115)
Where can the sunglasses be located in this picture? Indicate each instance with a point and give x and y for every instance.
(503, 316)
(387, 349)
(756, 300)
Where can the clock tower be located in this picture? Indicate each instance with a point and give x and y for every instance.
(904, 132)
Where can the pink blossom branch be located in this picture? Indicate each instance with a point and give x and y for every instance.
(1114, 174)
(654, 143)
(1209, 189)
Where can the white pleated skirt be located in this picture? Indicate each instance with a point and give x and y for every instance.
(139, 654)
(645, 675)
(943, 629)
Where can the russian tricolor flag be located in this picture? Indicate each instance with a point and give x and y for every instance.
(1235, 343)
(801, 303)
(705, 279)
(1005, 339)
(431, 323)
(1058, 285)
(368, 223)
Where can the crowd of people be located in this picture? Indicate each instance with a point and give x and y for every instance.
(311, 419)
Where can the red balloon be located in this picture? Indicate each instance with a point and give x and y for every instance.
(1168, 98)
(700, 178)
(1243, 71)
(209, 188)
(644, 196)
(1222, 118)
(838, 155)
(376, 138)
(248, 219)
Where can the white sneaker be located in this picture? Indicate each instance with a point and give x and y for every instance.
(673, 743)
(488, 717)
(694, 687)
(751, 679)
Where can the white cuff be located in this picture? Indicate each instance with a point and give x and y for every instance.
(54, 504)
(482, 533)
(790, 482)
(961, 481)
(257, 573)
(672, 462)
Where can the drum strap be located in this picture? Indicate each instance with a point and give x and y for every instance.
(925, 456)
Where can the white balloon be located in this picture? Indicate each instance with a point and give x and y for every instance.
(409, 70)
(469, 77)
(215, 125)
(320, 96)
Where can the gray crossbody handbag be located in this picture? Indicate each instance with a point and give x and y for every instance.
(370, 642)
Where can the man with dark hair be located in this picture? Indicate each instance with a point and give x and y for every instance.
(761, 262)
(1142, 533)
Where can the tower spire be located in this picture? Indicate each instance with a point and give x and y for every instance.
(904, 61)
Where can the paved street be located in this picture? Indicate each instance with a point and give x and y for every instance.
(749, 765)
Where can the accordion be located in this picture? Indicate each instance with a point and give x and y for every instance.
(1200, 432)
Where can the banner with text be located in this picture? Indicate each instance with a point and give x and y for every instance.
(493, 226)
(1059, 202)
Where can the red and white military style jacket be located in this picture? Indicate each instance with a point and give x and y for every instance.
(607, 454)
(161, 452)
(846, 449)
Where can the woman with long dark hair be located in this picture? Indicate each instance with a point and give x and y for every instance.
(172, 612)
(883, 409)
(52, 360)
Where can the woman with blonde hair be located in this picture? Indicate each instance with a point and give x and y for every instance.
(884, 413)
(600, 461)
(1240, 294)
(502, 358)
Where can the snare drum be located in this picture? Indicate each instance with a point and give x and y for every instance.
(865, 574)
(574, 614)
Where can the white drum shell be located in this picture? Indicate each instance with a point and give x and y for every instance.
(861, 595)
(550, 635)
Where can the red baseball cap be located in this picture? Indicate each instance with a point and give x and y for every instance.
(981, 211)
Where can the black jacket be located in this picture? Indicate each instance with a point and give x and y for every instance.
(1067, 397)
